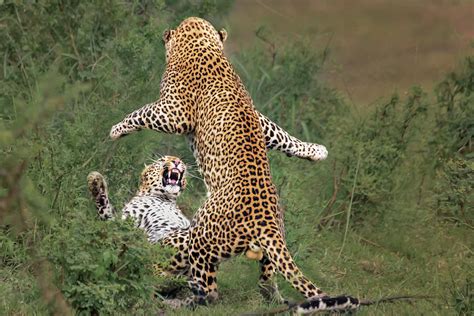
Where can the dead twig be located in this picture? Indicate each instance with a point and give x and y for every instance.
(272, 45)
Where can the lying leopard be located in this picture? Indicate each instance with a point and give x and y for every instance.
(201, 96)
(153, 208)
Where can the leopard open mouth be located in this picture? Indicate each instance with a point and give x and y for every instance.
(172, 177)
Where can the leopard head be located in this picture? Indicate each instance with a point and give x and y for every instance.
(191, 34)
(165, 177)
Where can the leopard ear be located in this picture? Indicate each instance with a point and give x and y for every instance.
(143, 176)
(145, 169)
(223, 35)
(167, 35)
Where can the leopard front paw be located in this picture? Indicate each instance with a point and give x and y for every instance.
(318, 152)
(117, 131)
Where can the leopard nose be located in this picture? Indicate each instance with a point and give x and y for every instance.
(177, 162)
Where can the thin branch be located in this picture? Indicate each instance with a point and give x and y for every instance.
(349, 210)
(272, 45)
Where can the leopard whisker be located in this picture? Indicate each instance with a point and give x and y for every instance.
(194, 176)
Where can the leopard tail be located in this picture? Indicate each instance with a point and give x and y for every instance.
(336, 304)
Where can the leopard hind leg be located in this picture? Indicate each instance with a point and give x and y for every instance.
(275, 249)
(179, 240)
(178, 265)
(278, 255)
(267, 283)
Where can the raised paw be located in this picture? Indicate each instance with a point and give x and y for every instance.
(123, 129)
(317, 152)
(96, 184)
(117, 131)
(98, 189)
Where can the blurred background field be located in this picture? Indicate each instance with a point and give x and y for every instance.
(388, 88)
(377, 47)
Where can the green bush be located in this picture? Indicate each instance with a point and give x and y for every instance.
(454, 190)
(104, 267)
(452, 146)
(370, 150)
(454, 124)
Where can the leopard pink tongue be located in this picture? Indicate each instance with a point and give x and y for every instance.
(172, 181)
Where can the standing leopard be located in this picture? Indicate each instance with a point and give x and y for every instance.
(201, 96)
